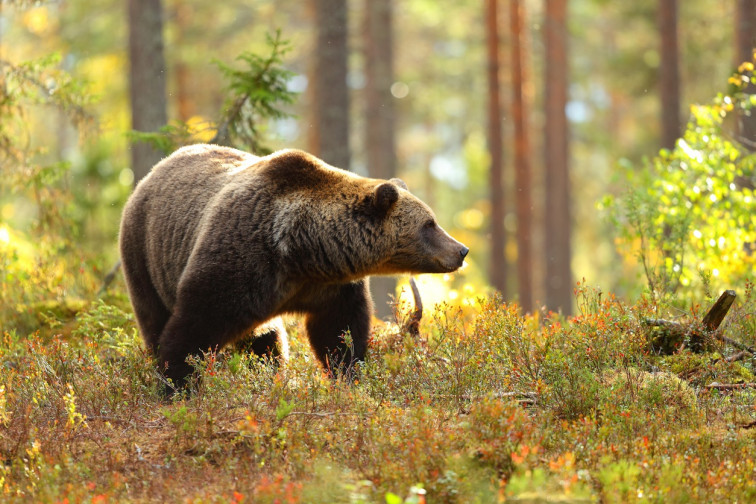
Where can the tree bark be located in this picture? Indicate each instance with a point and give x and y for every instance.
(380, 141)
(557, 191)
(523, 203)
(669, 73)
(498, 261)
(147, 79)
(331, 92)
(745, 36)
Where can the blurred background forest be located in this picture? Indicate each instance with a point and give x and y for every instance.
(524, 124)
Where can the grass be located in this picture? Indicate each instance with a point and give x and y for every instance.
(486, 406)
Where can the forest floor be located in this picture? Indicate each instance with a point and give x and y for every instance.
(486, 405)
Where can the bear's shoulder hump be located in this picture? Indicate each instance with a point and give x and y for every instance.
(294, 167)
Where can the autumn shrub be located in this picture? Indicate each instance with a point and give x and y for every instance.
(633, 397)
(501, 431)
(560, 483)
(406, 444)
(513, 347)
(455, 362)
(52, 255)
(604, 336)
(574, 408)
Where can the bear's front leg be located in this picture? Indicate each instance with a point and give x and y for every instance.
(343, 308)
(268, 340)
(191, 330)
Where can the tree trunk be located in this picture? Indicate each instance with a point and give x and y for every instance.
(745, 35)
(331, 92)
(745, 32)
(523, 203)
(669, 73)
(147, 79)
(498, 260)
(311, 95)
(182, 74)
(557, 191)
(380, 141)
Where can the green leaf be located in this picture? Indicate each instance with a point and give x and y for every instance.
(392, 498)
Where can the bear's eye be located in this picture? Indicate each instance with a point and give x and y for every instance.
(429, 224)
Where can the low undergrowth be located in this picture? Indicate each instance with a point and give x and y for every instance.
(487, 406)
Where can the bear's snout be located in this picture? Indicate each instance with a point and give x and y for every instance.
(455, 256)
(461, 257)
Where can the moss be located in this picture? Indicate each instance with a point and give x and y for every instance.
(637, 389)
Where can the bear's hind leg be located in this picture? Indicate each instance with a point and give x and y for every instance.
(152, 317)
(349, 308)
(151, 314)
(268, 340)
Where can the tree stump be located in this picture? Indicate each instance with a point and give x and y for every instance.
(667, 337)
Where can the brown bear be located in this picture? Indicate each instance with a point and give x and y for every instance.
(215, 243)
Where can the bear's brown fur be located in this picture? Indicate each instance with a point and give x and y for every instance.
(216, 242)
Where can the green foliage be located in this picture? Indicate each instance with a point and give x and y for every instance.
(27, 170)
(689, 213)
(39, 231)
(256, 93)
(173, 135)
(35, 83)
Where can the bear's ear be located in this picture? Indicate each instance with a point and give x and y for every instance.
(386, 195)
(400, 183)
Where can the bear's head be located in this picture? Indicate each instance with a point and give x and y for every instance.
(418, 243)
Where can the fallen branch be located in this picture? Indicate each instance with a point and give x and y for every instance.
(669, 324)
(320, 414)
(528, 398)
(737, 356)
(730, 386)
(736, 344)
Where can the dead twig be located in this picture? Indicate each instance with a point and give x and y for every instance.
(413, 324)
(109, 277)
